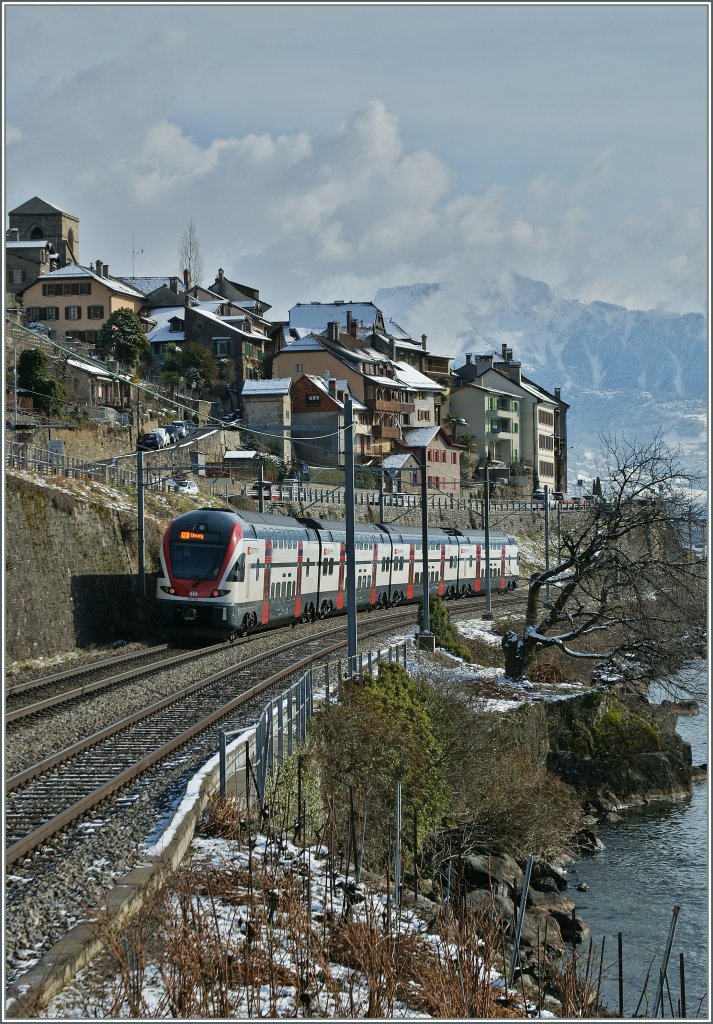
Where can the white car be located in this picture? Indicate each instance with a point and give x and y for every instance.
(183, 486)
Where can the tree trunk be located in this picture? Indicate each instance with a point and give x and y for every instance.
(516, 658)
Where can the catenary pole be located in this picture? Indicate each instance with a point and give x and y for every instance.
(488, 613)
(426, 640)
(351, 553)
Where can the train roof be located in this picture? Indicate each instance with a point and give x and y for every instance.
(339, 526)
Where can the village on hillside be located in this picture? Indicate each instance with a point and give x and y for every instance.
(84, 346)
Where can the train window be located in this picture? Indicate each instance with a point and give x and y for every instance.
(257, 570)
(307, 565)
(470, 562)
(325, 563)
(331, 566)
(237, 573)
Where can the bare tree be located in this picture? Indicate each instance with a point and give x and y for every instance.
(623, 584)
(189, 255)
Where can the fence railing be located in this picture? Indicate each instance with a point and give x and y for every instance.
(24, 455)
(20, 455)
(248, 756)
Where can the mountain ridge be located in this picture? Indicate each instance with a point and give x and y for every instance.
(628, 372)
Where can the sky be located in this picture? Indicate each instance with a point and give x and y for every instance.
(326, 151)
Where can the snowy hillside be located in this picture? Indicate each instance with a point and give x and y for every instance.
(621, 371)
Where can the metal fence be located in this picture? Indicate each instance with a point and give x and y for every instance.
(20, 455)
(248, 757)
(25, 455)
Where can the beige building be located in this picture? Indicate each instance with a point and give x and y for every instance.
(513, 419)
(266, 408)
(73, 302)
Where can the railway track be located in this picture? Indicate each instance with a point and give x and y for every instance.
(49, 795)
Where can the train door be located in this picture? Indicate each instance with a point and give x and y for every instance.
(411, 560)
(298, 583)
(374, 568)
(342, 570)
(442, 572)
(265, 617)
(502, 567)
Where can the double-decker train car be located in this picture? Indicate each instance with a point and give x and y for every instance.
(225, 573)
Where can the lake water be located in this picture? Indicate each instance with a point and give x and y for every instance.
(655, 858)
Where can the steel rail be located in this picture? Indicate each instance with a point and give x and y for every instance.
(22, 847)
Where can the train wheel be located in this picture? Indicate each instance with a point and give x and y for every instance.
(253, 620)
(244, 628)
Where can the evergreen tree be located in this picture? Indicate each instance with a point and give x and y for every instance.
(123, 336)
(33, 374)
(197, 361)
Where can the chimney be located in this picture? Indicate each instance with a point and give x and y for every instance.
(424, 339)
(468, 358)
(333, 330)
(558, 394)
(515, 370)
(173, 285)
(349, 321)
(221, 275)
(332, 384)
(98, 268)
(505, 352)
(509, 355)
(105, 270)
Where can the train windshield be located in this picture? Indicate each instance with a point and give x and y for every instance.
(199, 558)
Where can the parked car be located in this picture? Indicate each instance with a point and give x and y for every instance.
(150, 442)
(171, 431)
(538, 496)
(182, 486)
(179, 426)
(559, 496)
(38, 328)
(190, 427)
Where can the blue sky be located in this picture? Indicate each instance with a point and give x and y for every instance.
(325, 151)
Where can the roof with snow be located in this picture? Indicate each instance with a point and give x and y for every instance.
(74, 270)
(309, 343)
(420, 437)
(415, 379)
(241, 455)
(146, 285)
(318, 314)
(257, 388)
(37, 205)
(342, 386)
(38, 243)
(98, 370)
(395, 461)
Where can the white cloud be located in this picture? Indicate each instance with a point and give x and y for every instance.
(308, 214)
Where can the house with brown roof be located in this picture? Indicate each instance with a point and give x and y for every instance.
(73, 302)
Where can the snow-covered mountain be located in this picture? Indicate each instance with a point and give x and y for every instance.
(622, 371)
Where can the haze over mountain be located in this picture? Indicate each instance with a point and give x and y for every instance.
(622, 371)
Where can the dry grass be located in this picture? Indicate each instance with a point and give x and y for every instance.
(243, 940)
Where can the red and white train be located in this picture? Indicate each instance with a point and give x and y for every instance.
(226, 572)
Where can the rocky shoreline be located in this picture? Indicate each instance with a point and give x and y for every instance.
(616, 750)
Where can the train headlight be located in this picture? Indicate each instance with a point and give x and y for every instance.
(169, 590)
(219, 593)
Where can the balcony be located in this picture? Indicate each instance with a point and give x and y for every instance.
(386, 432)
(382, 405)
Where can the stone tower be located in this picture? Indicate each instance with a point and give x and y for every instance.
(38, 220)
